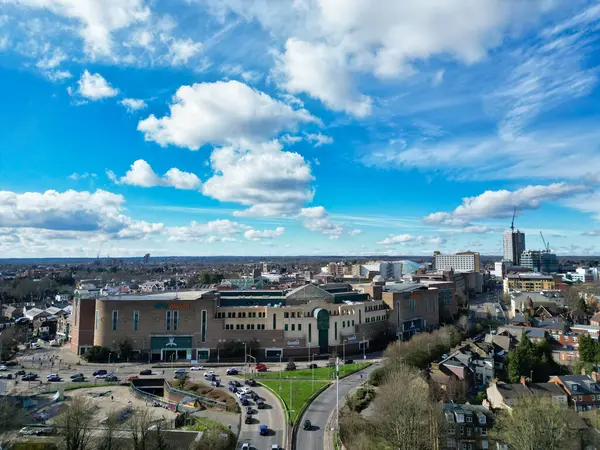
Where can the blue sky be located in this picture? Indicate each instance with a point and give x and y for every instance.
(258, 127)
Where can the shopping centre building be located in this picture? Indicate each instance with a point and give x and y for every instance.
(196, 325)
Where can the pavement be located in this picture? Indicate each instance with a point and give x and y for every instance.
(319, 411)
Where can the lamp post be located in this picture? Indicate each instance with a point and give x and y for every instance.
(245, 368)
(280, 359)
(364, 348)
(109, 355)
(344, 353)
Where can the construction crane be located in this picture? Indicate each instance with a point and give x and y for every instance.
(546, 244)
(512, 224)
(100, 249)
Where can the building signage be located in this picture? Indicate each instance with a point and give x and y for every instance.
(296, 342)
(172, 305)
(351, 338)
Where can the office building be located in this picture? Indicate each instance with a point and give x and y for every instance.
(514, 246)
(460, 262)
(539, 261)
(528, 282)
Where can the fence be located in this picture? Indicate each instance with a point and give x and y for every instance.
(200, 398)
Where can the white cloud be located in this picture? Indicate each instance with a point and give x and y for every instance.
(354, 232)
(98, 19)
(52, 60)
(477, 229)
(316, 218)
(438, 77)
(141, 174)
(81, 176)
(58, 75)
(591, 233)
(501, 204)
(270, 181)
(405, 239)
(95, 87)
(133, 104)
(256, 235)
(213, 231)
(181, 50)
(319, 139)
(221, 113)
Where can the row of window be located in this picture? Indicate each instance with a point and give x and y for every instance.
(286, 328)
(241, 326)
(373, 319)
(376, 307)
(346, 323)
(172, 320)
(241, 315)
(579, 398)
(472, 430)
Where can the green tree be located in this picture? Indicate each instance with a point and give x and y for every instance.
(588, 348)
(96, 354)
(124, 350)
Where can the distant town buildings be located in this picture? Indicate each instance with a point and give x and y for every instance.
(528, 282)
(460, 262)
(539, 261)
(514, 246)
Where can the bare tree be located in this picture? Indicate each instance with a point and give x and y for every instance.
(405, 417)
(534, 424)
(138, 426)
(11, 418)
(159, 440)
(75, 424)
(110, 439)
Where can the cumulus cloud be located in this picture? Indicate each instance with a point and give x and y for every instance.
(221, 113)
(319, 139)
(316, 218)
(81, 176)
(405, 239)
(133, 104)
(214, 231)
(270, 181)
(477, 229)
(181, 50)
(257, 235)
(95, 87)
(501, 204)
(141, 174)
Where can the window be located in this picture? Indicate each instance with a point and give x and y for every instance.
(469, 446)
(175, 320)
(343, 324)
(484, 431)
(310, 332)
(293, 314)
(115, 319)
(136, 320)
(335, 331)
(299, 327)
(76, 312)
(237, 326)
(293, 327)
(353, 323)
(168, 320)
(469, 431)
(462, 430)
(580, 398)
(593, 397)
(411, 305)
(285, 327)
(469, 419)
(286, 315)
(274, 321)
(203, 325)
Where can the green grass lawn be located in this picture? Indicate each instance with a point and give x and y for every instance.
(301, 391)
(322, 373)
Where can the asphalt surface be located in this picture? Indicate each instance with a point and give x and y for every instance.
(321, 408)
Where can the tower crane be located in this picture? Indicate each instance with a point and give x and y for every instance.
(546, 244)
(512, 224)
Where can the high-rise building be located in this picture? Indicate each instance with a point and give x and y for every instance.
(539, 261)
(514, 246)
(146, 258)
(460, 262)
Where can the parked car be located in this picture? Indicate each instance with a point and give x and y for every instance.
(209, 374)
(3, 368)
(102, 376)
(349, 361)
(27, 431)
(250, 382)
(195, 368)
(146, 372)
(44, 431)
(29, 377)
(133, 377)
(53, 377)
(260, 404)
(245, 446)
(6, 376)
(179, 371)
(313, 366)
(307, 425)
(180, 376)
(244, 400)
(77, 377)
(248, 419)
(111, 378)
(245, 390)
(263, 430)
(232, 389)
(249, 410)
(232, 371)
(275, 447)
(20, 372)
(100, 372)
(216, 383)
(235, 383)
(261, 368)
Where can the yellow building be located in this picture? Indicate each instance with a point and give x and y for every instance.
(529, 282)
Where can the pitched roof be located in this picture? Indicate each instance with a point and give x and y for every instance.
(579, 384)
(519, 390)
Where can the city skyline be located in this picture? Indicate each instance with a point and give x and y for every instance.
(198, 128)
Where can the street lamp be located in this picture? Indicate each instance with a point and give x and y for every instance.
(364, 348)
(344, 353)
(109, 355)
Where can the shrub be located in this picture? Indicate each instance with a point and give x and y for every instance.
(97, 354)
(291, 365)
(377, 376)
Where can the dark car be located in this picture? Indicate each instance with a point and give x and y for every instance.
(248, 419)
(263, 430)
(232, 371)
(349, 361)
(232, 389)
(249, 410)
(260, 404)
(250, 382)
(53, 378)
(111, 378)
(146, 372)
(77, 377)
(20, 372)
(254, 396)
(216, 383)
(307, 425)
(245, 401)
(29, 377)
(100, 372)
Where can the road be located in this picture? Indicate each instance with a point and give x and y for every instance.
(321, 408)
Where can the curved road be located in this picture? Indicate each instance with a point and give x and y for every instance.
(321, 408)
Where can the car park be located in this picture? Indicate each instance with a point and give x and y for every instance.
(146, 372)
(196, 368)
(263, 430)
(100, 372)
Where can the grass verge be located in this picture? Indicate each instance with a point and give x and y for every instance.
(322, 373)
(301, 393)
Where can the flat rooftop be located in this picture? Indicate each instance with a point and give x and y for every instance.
(160, 296)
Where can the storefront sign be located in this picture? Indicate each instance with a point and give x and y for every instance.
(172, 305)
(291, 343)
(351, 338)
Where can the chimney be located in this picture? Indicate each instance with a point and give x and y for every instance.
(523, 381)
(594, 376)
